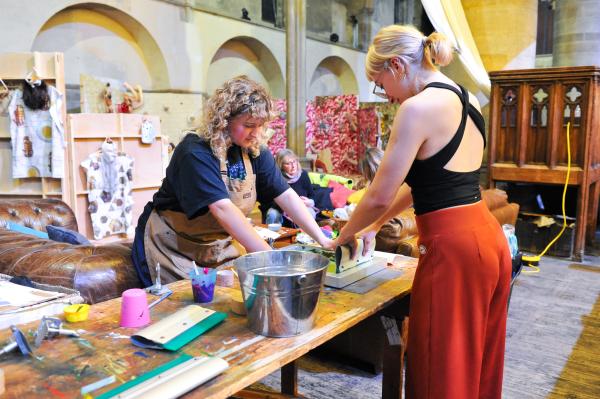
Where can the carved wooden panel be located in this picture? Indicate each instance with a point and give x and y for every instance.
(572, 109)
(538, 131)
(506, 144)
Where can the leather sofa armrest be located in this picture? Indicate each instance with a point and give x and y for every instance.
(494, 198)
(37, 213)
(99, 273)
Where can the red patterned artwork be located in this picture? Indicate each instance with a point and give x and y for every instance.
(368, 129)
(278, 140)
(332, 122)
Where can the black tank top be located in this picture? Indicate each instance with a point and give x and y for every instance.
(434, 187)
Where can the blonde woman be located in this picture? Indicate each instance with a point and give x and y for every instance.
(459, 296)
(298, 179)
(213, 180)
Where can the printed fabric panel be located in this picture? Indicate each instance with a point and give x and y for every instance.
(37, 137)
(368, 130)
(277, 127)
(110, 210)
(332, 122)
(337, 123)
(385, 113)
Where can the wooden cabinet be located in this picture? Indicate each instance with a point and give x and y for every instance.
(529, 113)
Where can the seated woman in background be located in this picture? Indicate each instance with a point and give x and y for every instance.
(298, 180)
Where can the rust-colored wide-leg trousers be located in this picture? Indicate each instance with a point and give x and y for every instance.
(458, 306)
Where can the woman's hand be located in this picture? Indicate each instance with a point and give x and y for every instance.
(368, 237)
(307, 201)
(351, 242)
(327, 243)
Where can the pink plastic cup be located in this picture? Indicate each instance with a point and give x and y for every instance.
(134, 308)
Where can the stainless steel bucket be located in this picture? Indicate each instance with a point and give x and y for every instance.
(281, 290)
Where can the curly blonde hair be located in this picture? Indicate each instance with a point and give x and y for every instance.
(237, 96)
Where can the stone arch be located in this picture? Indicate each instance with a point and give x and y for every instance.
(101, 40)
(333, 76)
(243, 55)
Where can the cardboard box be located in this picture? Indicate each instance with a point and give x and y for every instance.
(534, 239)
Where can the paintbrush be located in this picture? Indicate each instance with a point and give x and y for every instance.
(195, 268)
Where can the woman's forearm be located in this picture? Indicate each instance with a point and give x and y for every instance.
(367, 210)
(291, 203)
(401, 202)
(235, 224)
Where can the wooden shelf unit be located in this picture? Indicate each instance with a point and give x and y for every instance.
(529, 112)
(87, 132)
(14, 67)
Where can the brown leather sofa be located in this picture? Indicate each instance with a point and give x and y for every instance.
(400, 235)
(98, 272)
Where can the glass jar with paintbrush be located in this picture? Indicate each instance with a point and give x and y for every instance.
(203, 283)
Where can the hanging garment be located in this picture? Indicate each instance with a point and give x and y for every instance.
(5, 98)
(109, 183)
(37, 137)
(173, 240)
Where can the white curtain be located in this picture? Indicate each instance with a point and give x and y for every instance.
(448, 17)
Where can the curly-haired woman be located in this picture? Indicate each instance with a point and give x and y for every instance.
(213, 180)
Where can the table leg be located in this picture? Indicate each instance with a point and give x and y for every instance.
(289, 386)
(592, 214)
(581, 222)
(393, 359)
(289, 379)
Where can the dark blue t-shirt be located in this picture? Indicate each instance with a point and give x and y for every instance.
(193, 181)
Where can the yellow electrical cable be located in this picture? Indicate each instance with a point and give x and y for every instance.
(531, 260)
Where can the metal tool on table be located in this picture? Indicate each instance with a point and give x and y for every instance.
(348, 270)
(158, 288)
(19, 341)
(51, 327)
(178, 329)
(171, 380)
(343, 256)
(342, 269)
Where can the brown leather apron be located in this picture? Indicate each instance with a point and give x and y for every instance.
(173, 240)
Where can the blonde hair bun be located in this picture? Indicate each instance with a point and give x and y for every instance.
(438, 48)
(408, 43)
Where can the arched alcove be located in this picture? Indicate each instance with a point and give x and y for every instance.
(333, 76)
(103, 41)
(245, 56)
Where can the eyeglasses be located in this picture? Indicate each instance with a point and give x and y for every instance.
(381, 93)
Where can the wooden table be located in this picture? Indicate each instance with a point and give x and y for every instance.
(63, 365)
(287, 236)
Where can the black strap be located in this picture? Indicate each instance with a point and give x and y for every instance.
(443, 156)
(464, 98)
